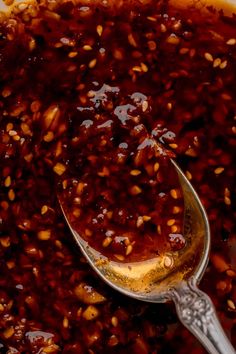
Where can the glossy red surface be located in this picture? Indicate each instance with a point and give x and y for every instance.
(123, 197)
(81, 88)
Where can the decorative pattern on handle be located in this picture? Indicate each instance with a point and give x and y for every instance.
(196, 311)
(195, 307)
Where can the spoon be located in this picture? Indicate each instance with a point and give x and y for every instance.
(172, 276)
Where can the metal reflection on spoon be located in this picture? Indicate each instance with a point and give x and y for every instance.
(172, 276)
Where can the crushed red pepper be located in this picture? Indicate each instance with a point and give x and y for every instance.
(64, 67)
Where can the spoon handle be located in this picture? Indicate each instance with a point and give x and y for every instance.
(197, 313)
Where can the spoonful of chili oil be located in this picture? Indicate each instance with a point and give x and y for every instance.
(141, 226)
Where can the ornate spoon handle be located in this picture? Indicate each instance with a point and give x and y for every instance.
(197, 313)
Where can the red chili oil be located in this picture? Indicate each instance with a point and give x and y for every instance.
(123, 197)
(82, 88)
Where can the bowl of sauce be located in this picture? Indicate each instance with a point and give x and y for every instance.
(82, 86)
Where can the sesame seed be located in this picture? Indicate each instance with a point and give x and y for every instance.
(107, 241)
(129, 249)
(174, 193)
(119, 257)
(208, 57)
(169, 106)
(144, 67)
(80, 187)
(72, 54)
(99, 30)
(139, 221)
(12, 132)
(65, 322)
(170, 222)
(7, 181)
(11, 195)
(216, 62)
(87, 47)
(227, 201)
(231, 41)
(114, 321)
(173, 146)
(64, 184)
(132, 40)
(227, 192)
(231, 304)
(188, 175)
(219, 170)
(150, 18)
(16, 137)
(176, 210)
(156, 167)
(135, 172)
(174, 228)
(127, 241)
(58, 244)
(44, 209)
(163, 28)
(146, 217)
(92, 63)
(223, 64)
(25, 129)
(137, 69)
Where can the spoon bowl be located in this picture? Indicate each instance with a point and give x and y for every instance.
(171, 276)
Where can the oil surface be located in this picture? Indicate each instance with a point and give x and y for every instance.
(72, 78)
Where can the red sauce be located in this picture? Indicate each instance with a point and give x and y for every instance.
(123, 197)
(82, 88)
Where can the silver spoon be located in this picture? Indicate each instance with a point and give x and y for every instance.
(173, 276)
